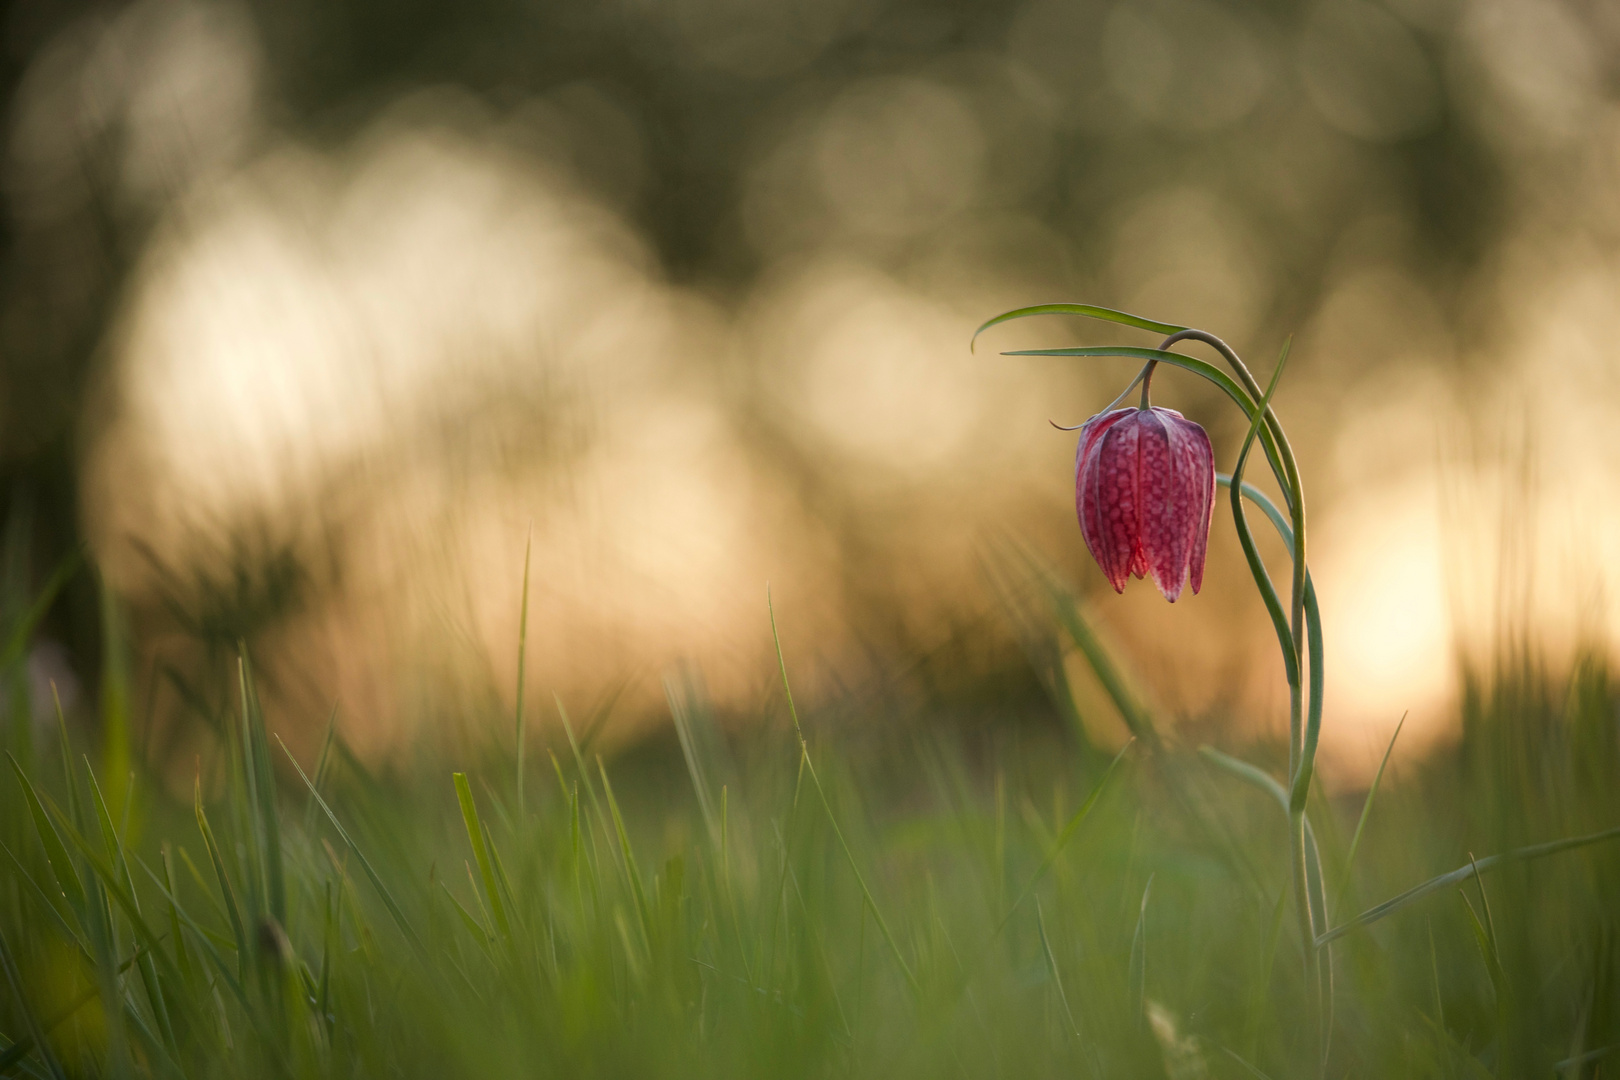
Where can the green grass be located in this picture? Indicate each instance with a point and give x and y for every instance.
(844, 891)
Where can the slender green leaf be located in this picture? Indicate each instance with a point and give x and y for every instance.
(807, 764)
(1251, 553)
(475, 836)
(1490, 862)
(365, 863)
(1137, 718)
(1067, 834)
(261, 789)
(120, 864)
(67, 878)
(522, 666)
(1052, 967)
(115, 733)
(631, 869)
(50, 904)
(1586, 1058)
(1244, 1065)
(232, 983)
(479, 933)
(1086, 310)
(1262, 780)
(30, 1021)
(321, 763)
(1269, 440)
(579, 766)
(1138, 964)
(244, 953)
(1313, 614)
(182, 958)
(18, 1050)
(16, 643)
(680, 709)
(1366, 808)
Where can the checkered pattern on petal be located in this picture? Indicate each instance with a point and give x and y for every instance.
(1104, 492)
(1144, 493)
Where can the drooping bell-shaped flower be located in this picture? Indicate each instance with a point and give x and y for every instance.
(1144, 487)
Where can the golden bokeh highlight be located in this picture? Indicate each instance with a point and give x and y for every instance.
(351, 379)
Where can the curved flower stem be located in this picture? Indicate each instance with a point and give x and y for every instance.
(1296, 798)
(1282, 466)
(1257, 566)
(1293, 490)
(1300, 851)
(1278, 453)
(1313, 615)
(1302, 626)
(1140, 380)
(1224, 382)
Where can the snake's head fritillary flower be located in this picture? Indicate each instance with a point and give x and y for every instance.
(1144, 486)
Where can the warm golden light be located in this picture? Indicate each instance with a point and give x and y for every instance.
(349, 379)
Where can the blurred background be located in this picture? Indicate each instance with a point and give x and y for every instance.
(314, 315)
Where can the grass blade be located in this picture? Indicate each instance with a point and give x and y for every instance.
(1490, 862)
(1251, 553)
(480, 934)
(45, 899)
(18, 1050)
(1244, 1064)
(227, 894)
(680, 709)
(475, 836)
(631, 869)
(120, 866)
(321, 763)
(1366, 810)
(23, 631)
(67, 878)
(1136, 718)
(1138, 987)
(262, 792)
(204, 939)
(523, 657)
(1263, 780)
(181, 958)
(810, 766)
(30, 1021)
(1052, 966)
(579, 766)
(1066, 835)
(115, 735)
(365, 864)
(107, 877)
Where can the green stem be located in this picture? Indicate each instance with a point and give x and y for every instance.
(1302, 909)
(523, 656)
(1302, 623)
(1257, 566)
(1292, 637)
(1293, 489)
(1313, 627)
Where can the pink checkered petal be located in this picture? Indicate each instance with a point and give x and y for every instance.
(1164, 539)
(1097, 522)
(1195, 476)
(1144, 494)
(1108, 495)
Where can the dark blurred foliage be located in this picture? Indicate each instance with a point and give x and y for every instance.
(1134, 97)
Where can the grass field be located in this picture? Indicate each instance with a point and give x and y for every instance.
(891, 896)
